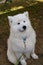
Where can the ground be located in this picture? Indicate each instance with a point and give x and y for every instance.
(36, 17)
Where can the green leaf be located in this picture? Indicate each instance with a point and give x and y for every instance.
(17, 62)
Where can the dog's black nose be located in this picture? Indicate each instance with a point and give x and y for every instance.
(24, 27)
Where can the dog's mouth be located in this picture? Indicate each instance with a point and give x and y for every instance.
(22, 30)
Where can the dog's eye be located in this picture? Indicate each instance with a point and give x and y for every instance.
(24, 21)
(18, 23)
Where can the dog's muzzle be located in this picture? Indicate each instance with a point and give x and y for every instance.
(23, 29)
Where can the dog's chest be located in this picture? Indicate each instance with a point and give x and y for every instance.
(22, 45)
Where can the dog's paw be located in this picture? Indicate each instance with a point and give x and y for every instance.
(23, 62)
(34, 56)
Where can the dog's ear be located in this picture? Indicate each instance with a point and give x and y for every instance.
(10, 20)
(26, 13)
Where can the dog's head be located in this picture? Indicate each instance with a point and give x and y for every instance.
(20, 22)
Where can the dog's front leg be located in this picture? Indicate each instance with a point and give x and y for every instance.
(22, 60)
(33, 54)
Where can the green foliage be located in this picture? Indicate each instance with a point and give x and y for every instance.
(10, 0)
(18, 61)
(1, 0)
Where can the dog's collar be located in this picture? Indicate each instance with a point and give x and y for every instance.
(24, 39)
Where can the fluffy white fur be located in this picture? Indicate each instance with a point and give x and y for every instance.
(16, 46)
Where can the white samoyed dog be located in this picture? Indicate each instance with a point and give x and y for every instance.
(22, 39)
